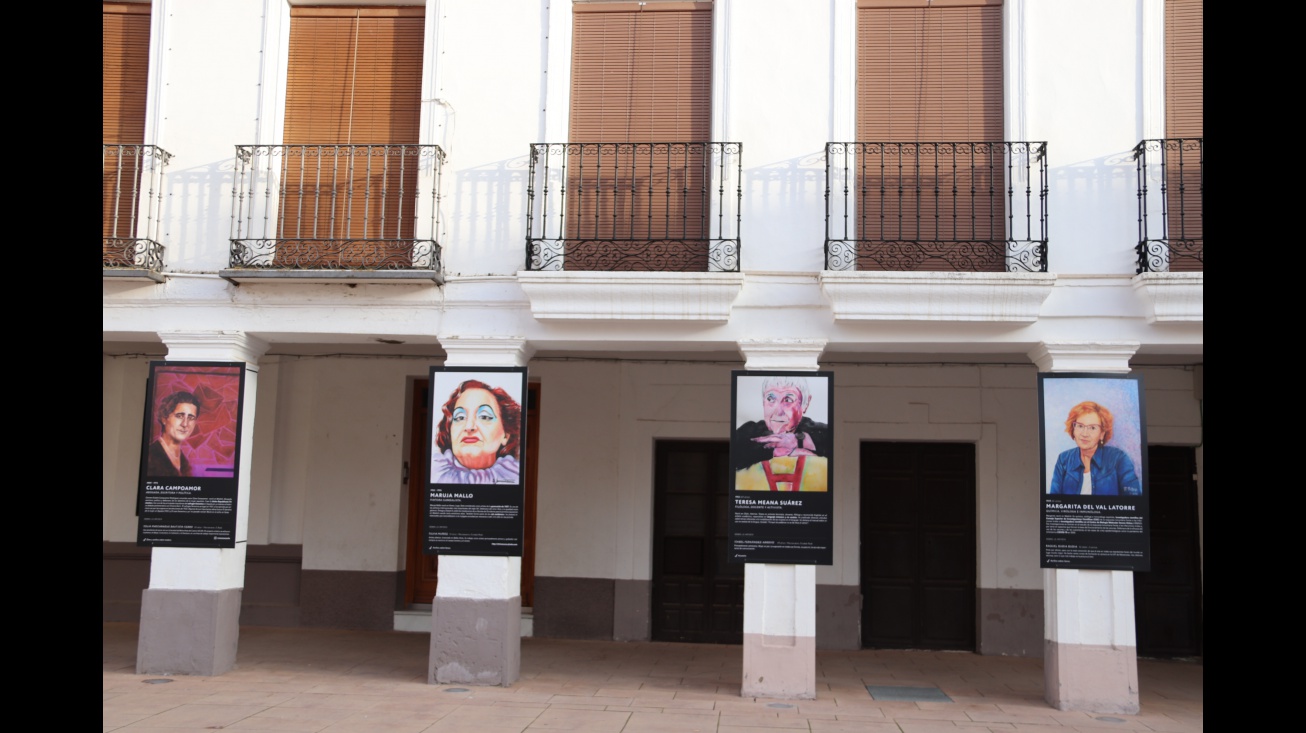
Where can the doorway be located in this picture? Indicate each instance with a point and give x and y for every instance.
(1168, 599)
(697, 595)
(421, 575)
(918, 545)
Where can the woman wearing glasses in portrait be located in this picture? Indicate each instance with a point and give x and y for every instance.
(1093, 467)
(177, 415)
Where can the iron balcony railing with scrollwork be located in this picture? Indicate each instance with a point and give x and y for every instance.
(336, 207)
(133, 201)
(669, 207)
(936, 206)
(1169, 204)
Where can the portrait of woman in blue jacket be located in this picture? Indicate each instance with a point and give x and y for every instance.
(1092, 466)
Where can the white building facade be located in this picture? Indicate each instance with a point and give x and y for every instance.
(935, 365)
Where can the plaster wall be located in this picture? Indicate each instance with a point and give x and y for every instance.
(488, 108)
(189, 122)
(580, 433)
(778, 101)
(345, 472)
(122, 409)
(1077, 84)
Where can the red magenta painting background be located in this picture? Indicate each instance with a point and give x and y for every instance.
(213, 445)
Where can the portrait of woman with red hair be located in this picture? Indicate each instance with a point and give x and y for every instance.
(1092, 467)
(478, 438)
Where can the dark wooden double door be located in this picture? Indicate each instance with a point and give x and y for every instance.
(697, 595)
(918, 545)
(1168, 599)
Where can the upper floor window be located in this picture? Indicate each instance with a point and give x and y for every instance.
(350, 159)
(125, 69)
(928, 166)
(639, 157)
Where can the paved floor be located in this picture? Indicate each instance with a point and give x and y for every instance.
(361, 681)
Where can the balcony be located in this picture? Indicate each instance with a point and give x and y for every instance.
(646, 231)
(649, 207)
(936, 231)
(1170, 265)
(133, 198)
(936, 206)
(1169, 204)
(323, 213)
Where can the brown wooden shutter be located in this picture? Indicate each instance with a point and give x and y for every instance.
(641, 73)
(126, 71)
(1183, 68)
(930, 72)
(125, 68)
(354, 78)
(1183, 119)
(354, 75)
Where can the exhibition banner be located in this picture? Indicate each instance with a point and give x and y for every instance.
(190, 455)
(477, 454)
(782, 463)
(1092, 435)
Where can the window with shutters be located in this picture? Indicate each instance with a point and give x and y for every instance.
(352, 104)
(639, 161)
(132, 170)
(347, 173)
(1183, 158)
(927, 173)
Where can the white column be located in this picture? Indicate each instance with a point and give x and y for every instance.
(780, 600)
(190, 613)
(1090, 655)
(476, 613)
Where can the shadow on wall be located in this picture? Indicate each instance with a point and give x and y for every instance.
(488, 204)
(196, 211)
(1093, 211)
(784, 214)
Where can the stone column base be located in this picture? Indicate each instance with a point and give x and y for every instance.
(190, 632)
(1088, 678)
(475, 641)
(779, 666)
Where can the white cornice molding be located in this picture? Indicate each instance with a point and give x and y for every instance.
(213, 346)
(1083, 356)
(631, 296)
(1171, 297)
(992, 297)
(787, 354)
(511, 351)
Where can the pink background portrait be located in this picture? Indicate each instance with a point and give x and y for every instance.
(213, 443)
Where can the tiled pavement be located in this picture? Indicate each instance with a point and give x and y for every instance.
(363, 681)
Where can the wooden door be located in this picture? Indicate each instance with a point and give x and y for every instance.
(422, 569)
(1168, 599)
(697, 595)
(918, 545)
(421, 576)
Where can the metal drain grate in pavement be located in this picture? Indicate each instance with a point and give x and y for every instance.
(898, 693)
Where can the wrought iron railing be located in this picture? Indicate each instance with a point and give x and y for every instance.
(936, 206)
(1169, 204)
(336, 207)
(133, 201)
(634, 206)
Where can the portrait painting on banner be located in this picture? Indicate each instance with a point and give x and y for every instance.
(782, 439)
(478, 421)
